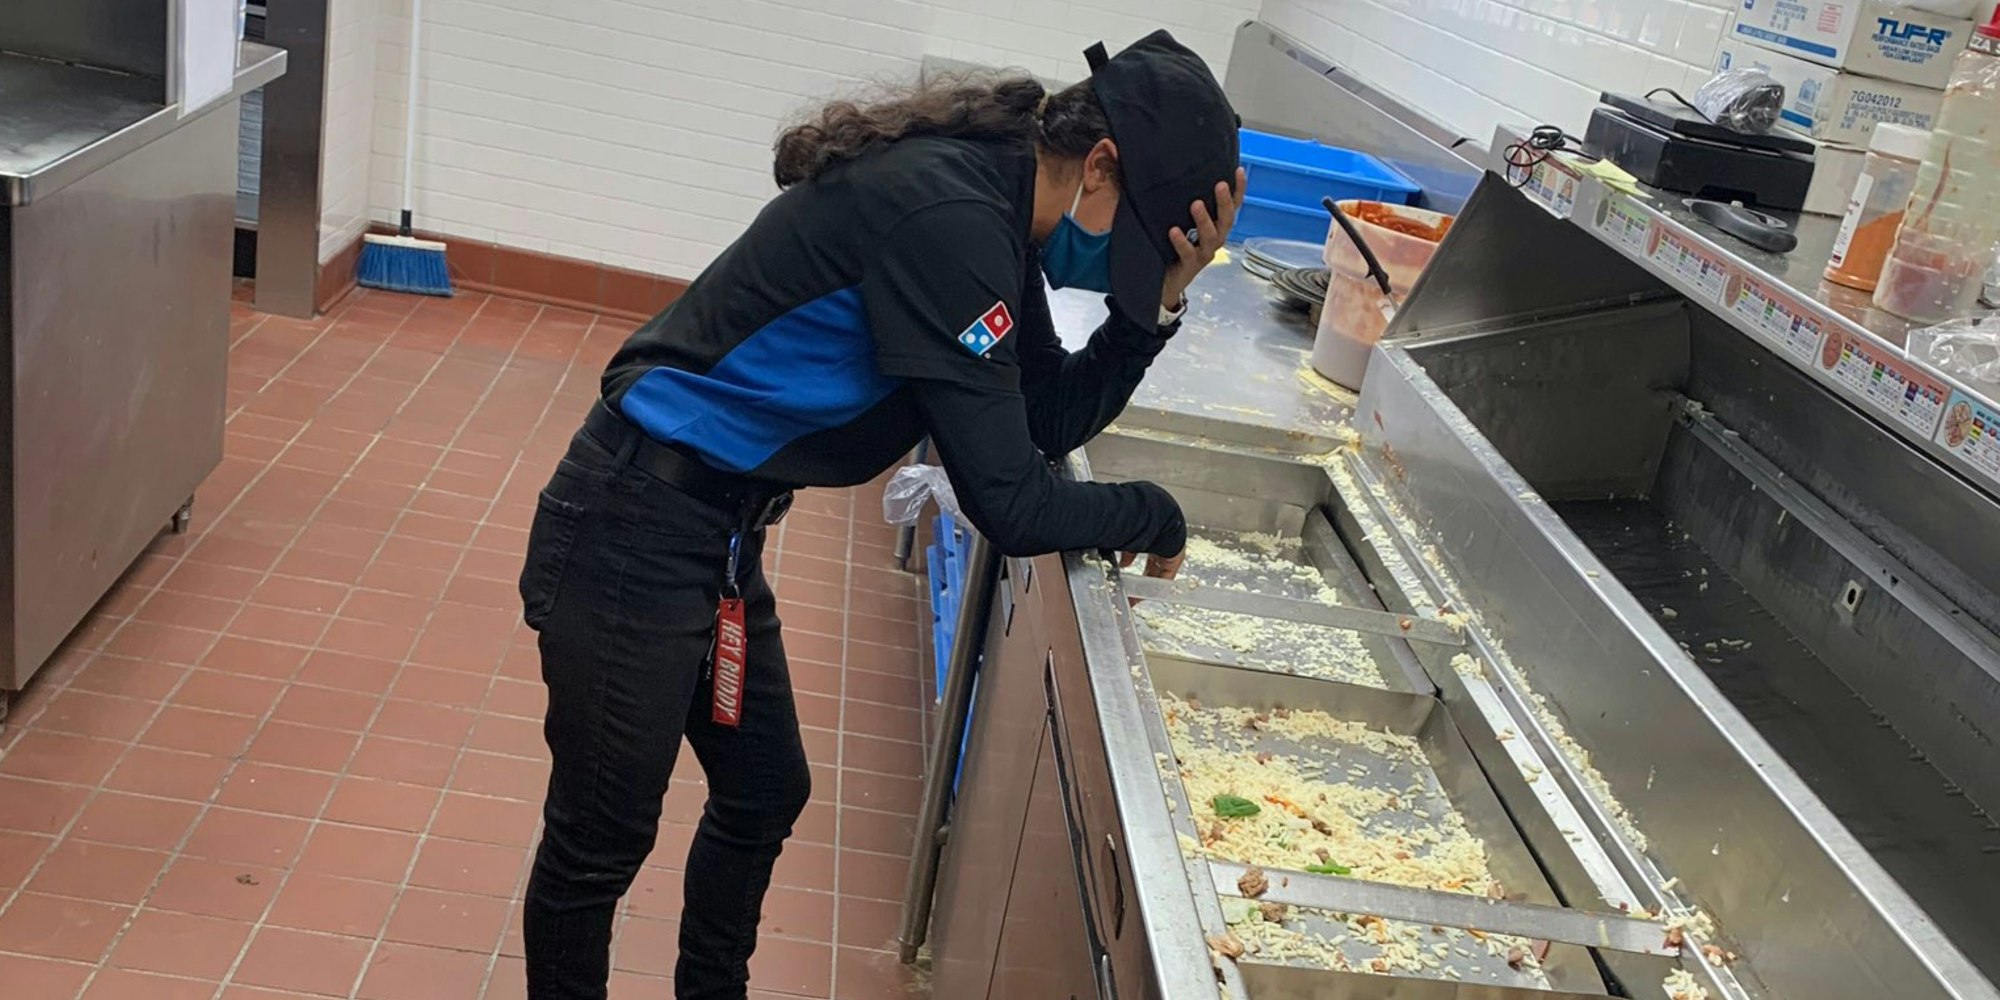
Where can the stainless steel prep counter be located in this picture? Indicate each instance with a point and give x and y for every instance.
(1236, 370)
(1737, 705)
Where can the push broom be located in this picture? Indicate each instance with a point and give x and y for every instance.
(404, 263)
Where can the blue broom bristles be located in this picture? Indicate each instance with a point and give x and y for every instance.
(403, 264)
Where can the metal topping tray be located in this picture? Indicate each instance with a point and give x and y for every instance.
(1267, 582)
(1264, 601)
(1389, 780)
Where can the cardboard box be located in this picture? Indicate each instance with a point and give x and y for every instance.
(1835, 169)
(1832, 105)
(1875, 38)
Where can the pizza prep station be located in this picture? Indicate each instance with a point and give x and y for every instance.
(1609, 642)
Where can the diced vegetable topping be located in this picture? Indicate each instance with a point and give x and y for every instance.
(1234, 806)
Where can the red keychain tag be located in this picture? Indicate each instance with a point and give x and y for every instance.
(726, 673)
(728, 659)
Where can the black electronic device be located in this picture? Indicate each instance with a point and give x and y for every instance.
(1683, 120)
(1768, 172)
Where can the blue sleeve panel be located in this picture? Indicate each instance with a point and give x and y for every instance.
(811, 369)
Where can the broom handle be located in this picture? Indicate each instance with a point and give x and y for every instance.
(410, 119)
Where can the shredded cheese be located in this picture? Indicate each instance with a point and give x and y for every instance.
(1681, 985)
(1310, 816)
(1255, 562)
(1269, 643)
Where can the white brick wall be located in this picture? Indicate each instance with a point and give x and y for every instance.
(1474, 64)
(348, 128)
(637, 133)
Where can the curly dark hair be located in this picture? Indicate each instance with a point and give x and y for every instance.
(976, 105)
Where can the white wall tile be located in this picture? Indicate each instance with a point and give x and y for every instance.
(1662, 27)
(346, 132)
(1476, 64)
(638, 132)
(1701, 35)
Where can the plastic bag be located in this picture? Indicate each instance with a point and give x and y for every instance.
(1746, 99)
(1968, 348)
(910, 488)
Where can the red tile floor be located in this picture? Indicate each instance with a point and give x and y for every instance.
(296, 752)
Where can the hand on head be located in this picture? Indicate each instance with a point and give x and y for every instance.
(1211, 232)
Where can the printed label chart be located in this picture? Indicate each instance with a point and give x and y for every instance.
(1682, 258)
(1554, 186)
(1626, 224)
(1971, 430)
(1775, 315)
(1908, 396)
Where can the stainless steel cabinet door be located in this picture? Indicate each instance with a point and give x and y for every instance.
(1045, 949)
(1009, 717)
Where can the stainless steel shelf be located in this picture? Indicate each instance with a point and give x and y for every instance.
(1830, 332)
(62, 122)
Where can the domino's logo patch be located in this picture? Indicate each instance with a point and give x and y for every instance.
(989, 330)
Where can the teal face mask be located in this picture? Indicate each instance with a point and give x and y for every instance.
(1075, 257)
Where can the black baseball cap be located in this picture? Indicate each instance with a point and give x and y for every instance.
(1176, 136)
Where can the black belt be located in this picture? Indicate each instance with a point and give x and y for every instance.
(759, 504)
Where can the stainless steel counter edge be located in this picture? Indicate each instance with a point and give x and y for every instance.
(256, 65)
(1796, 322)
(1160, 874)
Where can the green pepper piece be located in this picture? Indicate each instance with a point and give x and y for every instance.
(1234, 807)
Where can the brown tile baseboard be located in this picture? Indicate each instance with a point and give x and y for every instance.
(336, 276)
(539, 277)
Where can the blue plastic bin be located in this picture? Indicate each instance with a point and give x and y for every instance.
(1300, 172)
(947, 557)
(1286, 222)
(943, 610)
(1289, 177)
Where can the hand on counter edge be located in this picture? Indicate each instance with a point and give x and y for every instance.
(1157, 567)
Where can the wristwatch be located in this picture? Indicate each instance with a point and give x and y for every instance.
(1169, 317)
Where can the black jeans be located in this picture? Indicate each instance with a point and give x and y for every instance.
(622, 577)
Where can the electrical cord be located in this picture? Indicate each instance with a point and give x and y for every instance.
(1682, 101)
(1543, 141)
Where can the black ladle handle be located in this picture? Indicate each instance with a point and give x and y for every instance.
(1368, 255)
(1746, 225)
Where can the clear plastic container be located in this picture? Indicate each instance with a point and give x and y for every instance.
(1356, 312)
(1937, 267)
(1875, 211)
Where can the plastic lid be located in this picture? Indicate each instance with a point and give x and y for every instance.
(1900, 140)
